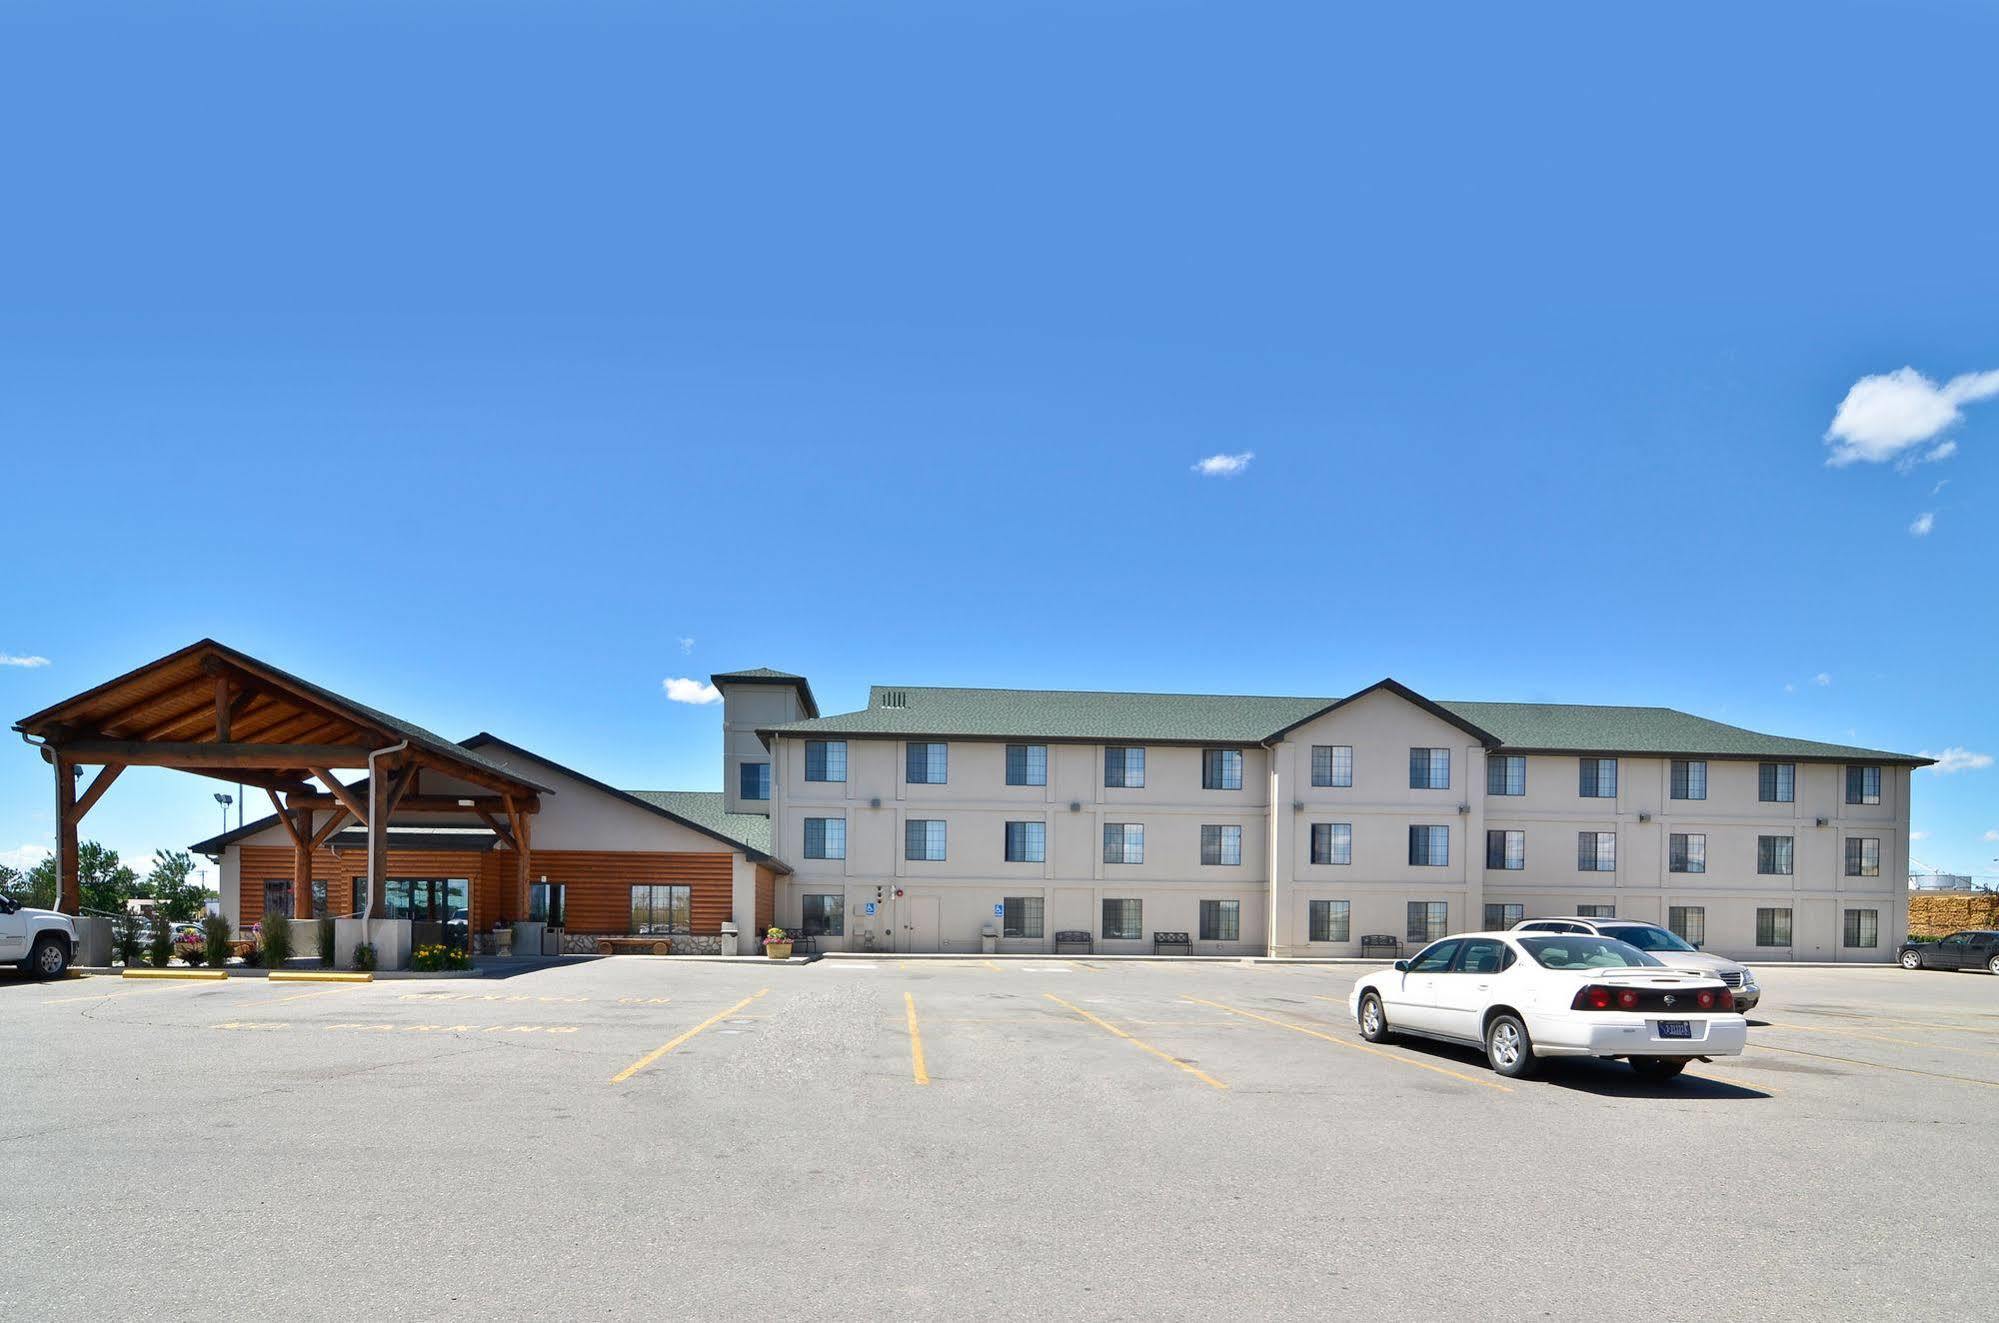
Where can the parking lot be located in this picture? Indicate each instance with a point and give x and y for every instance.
(1054, 1138)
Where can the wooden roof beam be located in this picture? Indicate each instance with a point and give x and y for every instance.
(188, 756)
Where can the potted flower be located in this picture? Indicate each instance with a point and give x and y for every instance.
(777, 944)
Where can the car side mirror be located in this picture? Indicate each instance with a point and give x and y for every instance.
(1402, 966)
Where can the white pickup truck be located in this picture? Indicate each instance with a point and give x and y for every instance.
(42, 942)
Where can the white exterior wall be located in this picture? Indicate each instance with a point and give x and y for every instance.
(976, 804)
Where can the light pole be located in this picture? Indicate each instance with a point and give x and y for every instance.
(225, 801)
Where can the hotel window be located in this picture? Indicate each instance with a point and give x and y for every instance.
(1686, 852)
(1506, 850)
(1221, 769)
(1124, 766)
(1332, 764)
(927, 764)
(1429, 769)
(1020, 916)
(1597, 778)
(1863, 786)
(923, 838)
(1026, 842)
(1332, 842)
(1773, 927)
(1124, 843)
(1777, 783)
(1221, 920)
(1596, 851)
(1773, 857)
(539, 910)
(1122, 920)
(1430, 847)
(1498, 918)
(1689, 779)
(754, 780)
(1506, 774)
(662, 909)
(1687, 922)
(319, 898)
(825, 838)
(1863, 929)
(1596, 911)
(823, 916)
(825, 760)
(278, 899)
(1221, 845)
(1331, 920)
(1027, 764)
(1863, 857)
(1428, 920)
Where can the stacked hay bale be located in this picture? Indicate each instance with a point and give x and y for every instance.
(1935, 913)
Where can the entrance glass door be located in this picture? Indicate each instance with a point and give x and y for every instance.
(445, 901)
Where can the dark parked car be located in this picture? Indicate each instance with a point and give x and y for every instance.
(1977, 948)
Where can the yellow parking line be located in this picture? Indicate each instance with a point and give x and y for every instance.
(1167, 1057)
(1879, 1038)
(916, 1066)
(1877, 1065)
(174, 986)
(1362, 1047)
(665, 1048)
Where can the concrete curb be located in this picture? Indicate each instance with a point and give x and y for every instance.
(321, 976)
(1045, 957)
(282, 976)
(202, 975)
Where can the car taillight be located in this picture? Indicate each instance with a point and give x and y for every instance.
(1627, 1000)
(1594, 998)
(1725, 1000)
(1704, 999)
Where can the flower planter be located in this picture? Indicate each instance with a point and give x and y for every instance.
(778, 950)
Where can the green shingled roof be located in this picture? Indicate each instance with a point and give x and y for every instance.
(1061, 714)
(705, 808)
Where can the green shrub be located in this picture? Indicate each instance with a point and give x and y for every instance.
(125, 931)
(364, 957)
(326, 943)
(160, 946)
(215, 931)
(277, 942)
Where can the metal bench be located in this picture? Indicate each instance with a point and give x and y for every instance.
(1175, 943)
(1076, 938)
(802, 942)
(1380, 944)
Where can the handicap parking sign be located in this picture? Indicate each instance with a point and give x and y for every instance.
(999, 911)
(871, 907)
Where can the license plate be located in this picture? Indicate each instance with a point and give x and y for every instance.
(1676, 1029)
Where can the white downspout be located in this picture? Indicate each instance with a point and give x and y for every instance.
(375, 824)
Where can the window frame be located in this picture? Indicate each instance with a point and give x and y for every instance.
(1027, 764)
(936, 762)
(652, 927)
(746, 771)
(1854, 924)
(1429, 758)
(1856, 861)
(839, 928)
(1779, 924)
(1594, 860)
(1685, 852)
(1137, 930)
(1681, 779)
(943, 838)
(1436, 918)
(1767, 850)
(1505, 907)
(1223, 833)
(1130, 834)
(1677, 923)
(1590, 780)
(826, 835)
(1013, 925)
(1443, 832)
(1776, 783)
(1332, 769)
(1510, 860)
(827, 761)
(1230, 931)
(1129, 756)
(1336, 844)
(1033, 843)
(1220, 766)
(1861, 796)
(1317, 909)
(1499, 779)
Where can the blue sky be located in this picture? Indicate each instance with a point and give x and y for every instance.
(470, 357)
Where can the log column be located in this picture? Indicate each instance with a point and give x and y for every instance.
(69, 891)
(302, 866)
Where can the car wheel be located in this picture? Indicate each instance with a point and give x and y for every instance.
(1658, 1068)
(1912, 959)
(1992, 965)
(1373, 1021)
(49, 959)
(1507, 1046)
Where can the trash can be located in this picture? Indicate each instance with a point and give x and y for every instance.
(989, 940)
(731, 939)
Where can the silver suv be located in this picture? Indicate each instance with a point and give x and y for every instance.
(1663, 945)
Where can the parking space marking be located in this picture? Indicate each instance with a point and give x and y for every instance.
(1361, 1047)
(665, 1048)
(301, 996)
(171, 986)
(916, 1065)
(1139, 1043)
(1878, 1065)
(1878, 1038)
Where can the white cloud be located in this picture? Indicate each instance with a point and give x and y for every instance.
(24, 857)
(9, 659)
(1938, 489)
(1224, 466)
(1882, 416)
(1992, 835)
(1956, 759)
(1790, 688)
(691, 691)
(1822, 679)
(1921, 525)
(1944, 451)
(1919, 836)
(686, 646)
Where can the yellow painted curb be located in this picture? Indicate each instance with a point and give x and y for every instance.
(319, 976)
(206, 975)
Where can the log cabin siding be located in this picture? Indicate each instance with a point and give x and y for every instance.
(598, 882)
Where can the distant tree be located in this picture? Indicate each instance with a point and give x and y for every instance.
(106, 884)
(171, 883)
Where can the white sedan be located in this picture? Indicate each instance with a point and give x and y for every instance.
(1523, 995)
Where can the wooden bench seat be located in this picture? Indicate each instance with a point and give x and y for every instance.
(634, 946)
